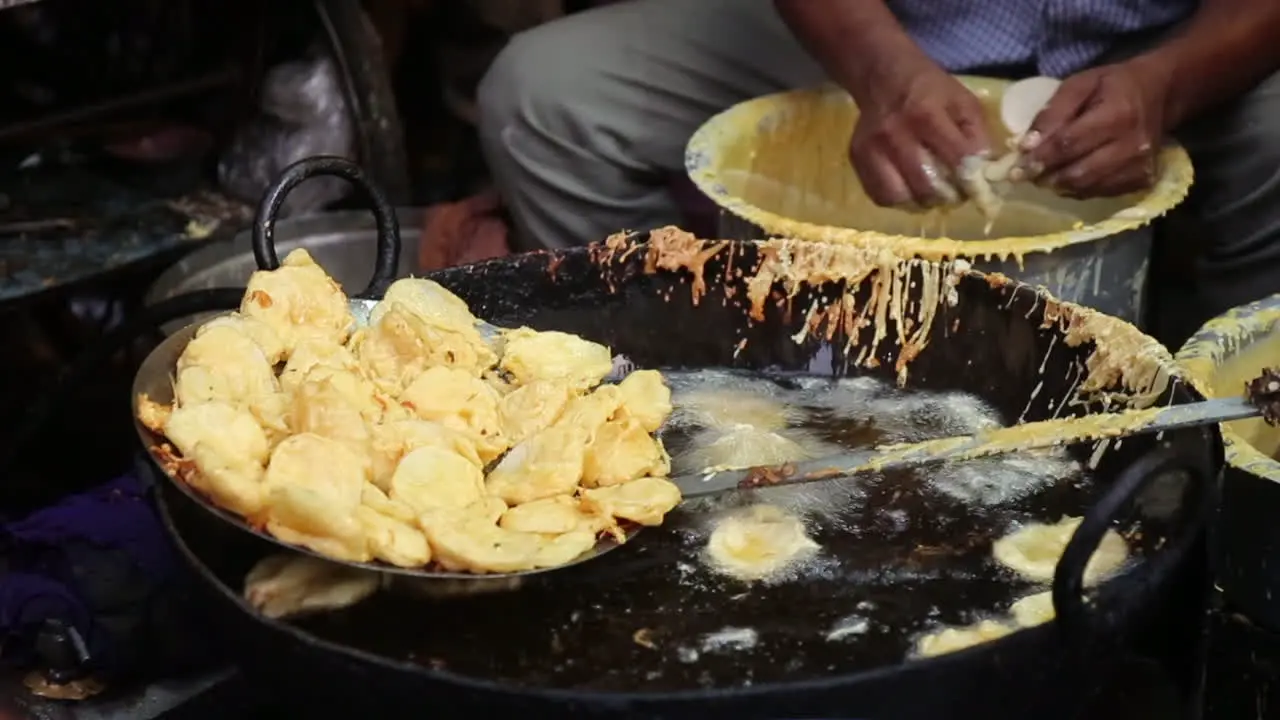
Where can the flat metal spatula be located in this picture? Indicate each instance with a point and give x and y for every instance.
(1029, 436)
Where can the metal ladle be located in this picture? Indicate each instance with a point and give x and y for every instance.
(1000, 441)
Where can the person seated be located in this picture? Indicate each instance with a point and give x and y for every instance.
(583, 120)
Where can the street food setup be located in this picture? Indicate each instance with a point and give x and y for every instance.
(1008, 586)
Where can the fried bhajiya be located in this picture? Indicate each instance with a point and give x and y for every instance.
(374, 444)
(299, 301)
(529, 355)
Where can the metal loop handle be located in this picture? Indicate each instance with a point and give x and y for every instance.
(264, 223)
(1068, 577)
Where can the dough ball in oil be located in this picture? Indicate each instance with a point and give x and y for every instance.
(1034, 550)
(951, 640)
(758, 542)
(1033, 610)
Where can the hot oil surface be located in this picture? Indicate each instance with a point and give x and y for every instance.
(901, 554)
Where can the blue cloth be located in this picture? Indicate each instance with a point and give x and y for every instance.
(1058, 37)
(93, 555)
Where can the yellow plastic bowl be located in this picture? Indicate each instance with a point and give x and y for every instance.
(1220, 358)
(780, 162)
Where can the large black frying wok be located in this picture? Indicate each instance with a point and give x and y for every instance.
(566, 645)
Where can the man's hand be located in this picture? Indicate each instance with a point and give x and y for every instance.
(916, 125)
(1100, 134)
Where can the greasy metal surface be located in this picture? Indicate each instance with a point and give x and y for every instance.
(989, 443)
(905, 560)
(1227, 352)
(796, 141)
(341, 242)
(71, 224)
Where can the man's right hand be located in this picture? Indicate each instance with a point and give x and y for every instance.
(916, 124)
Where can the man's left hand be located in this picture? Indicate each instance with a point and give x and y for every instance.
(1100, 134)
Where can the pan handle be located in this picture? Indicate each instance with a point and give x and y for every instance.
(264, 223)
(1069, 604)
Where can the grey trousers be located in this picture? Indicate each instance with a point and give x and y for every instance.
(584, 120)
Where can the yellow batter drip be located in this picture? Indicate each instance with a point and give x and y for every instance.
(1018, 437)
(1125, 368)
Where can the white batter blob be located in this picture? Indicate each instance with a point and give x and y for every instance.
(758, 542)
(739, 447)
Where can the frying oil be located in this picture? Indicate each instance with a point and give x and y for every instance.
(816, 416)
(726, 419)
(900, 553)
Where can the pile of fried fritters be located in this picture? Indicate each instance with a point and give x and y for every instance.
(416, 440)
